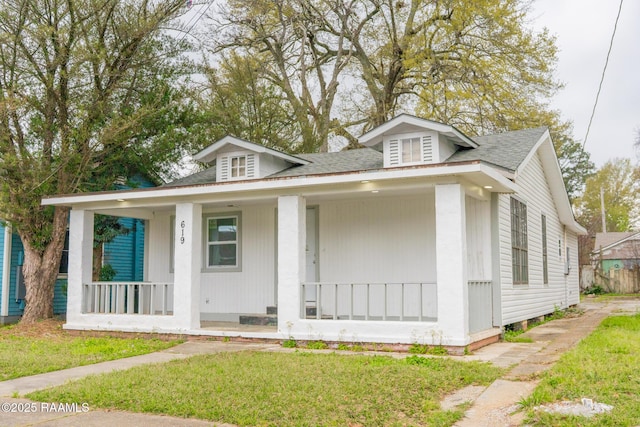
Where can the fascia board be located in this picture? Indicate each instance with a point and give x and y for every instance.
(207, 154)
(374, 136)
(275, 184)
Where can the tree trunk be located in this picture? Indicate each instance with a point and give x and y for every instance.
(97, 261)
(41, 268)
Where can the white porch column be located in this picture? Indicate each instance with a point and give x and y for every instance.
(80, 261)
(291, 258)
(187, 265)
(451, 262)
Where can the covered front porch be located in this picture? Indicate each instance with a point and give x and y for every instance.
(404, 263)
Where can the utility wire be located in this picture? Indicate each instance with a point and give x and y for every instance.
(196, 21)
(604, 70)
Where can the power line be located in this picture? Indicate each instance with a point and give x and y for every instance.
(604, 70)
(196, 21)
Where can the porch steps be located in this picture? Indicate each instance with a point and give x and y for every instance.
(311, 311)
(272, 309)
(271, 318)
(259, 319)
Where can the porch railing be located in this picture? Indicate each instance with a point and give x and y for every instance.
(369, 301)
(480, 305)
(128, 298)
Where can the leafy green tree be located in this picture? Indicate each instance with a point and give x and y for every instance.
(619, 180)
(238, 100)
(84, 94)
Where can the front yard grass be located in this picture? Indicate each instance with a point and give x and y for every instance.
(44, 347)
(604, 367)
(285, 389)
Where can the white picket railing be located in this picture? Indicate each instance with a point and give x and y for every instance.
(128, 298)
(369, 301)
(480, 305)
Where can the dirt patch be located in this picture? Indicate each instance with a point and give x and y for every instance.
(50, 329)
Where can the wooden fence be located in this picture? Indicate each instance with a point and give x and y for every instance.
(622, 281)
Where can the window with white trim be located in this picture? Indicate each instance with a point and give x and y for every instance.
(238, 166)
(519, 243)
(411, 150)
(222, 242)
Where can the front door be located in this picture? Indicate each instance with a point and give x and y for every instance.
(312, 253)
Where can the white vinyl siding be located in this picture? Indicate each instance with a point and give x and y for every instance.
(395, 240)
(478, 224)
(525, 302)
(222, 291)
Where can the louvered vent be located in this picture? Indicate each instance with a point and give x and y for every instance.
(427, 149)
(251, 165)
(224, 168)
(394, 152)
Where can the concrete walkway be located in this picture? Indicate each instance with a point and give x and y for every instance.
(495, 406)
(492, 405)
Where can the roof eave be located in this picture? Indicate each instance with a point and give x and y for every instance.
(207, 155)
(556, 182)
(375, 135)
(106, 199)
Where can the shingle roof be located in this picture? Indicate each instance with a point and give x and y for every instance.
(507, 149)
(605, 239)
(203, 177)
(336, 162)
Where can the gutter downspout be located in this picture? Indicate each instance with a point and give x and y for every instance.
(6, 271)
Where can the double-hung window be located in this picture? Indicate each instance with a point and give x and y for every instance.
(519, 242)
(223, 239)
(411, 150)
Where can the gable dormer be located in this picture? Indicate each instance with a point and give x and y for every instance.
(408, 140)
(237, 159)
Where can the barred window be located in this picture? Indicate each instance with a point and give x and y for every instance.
(545, 258)
(519, 242)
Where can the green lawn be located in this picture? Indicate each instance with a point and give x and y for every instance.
(604, 367)
(285, 389)
(45, 347)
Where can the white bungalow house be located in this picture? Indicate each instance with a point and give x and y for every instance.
(425, 236)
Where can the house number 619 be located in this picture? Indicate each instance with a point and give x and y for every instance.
(182, 226)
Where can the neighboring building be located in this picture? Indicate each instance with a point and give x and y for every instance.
(425, 236)
(616, 260)
(618, 250)
(125, 254)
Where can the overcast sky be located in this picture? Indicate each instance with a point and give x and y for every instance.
(583, 29)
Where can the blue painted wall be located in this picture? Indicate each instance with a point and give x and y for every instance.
(125, 254)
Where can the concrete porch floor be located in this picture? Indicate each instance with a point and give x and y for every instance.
(235, 327)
